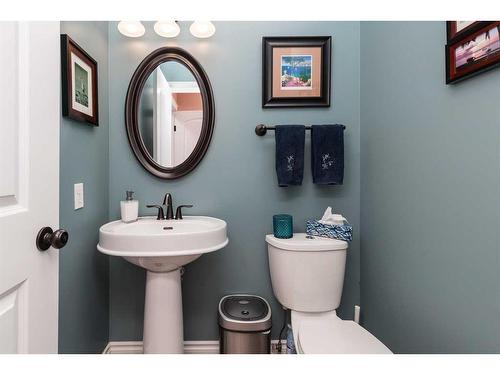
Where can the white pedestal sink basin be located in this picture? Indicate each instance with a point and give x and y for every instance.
(162, 247)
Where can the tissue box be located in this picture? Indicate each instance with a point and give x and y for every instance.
(338, 232)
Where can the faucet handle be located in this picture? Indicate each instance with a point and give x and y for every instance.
(161, 215)
(178, 212)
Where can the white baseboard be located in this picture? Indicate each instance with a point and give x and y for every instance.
(135, 347)
(190, 347)
(123, 347)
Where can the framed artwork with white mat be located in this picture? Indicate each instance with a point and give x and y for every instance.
(79, 83)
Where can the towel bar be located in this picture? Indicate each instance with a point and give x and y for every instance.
(262, 129)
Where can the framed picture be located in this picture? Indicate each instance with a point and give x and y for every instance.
(473, 54)
(79, 83)
(460, 29)
(296, 71)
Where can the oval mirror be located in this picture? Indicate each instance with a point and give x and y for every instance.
(169, 112)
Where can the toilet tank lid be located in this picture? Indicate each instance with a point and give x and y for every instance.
(303, 242)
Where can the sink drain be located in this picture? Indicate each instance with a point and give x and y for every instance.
(168, 228)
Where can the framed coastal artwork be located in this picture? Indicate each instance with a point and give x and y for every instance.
(473, 52)
(79, 83)
(296, 71)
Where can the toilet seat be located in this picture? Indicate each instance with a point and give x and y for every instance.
(326, 333)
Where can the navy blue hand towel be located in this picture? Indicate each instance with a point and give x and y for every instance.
(290, 154)
(327, 154)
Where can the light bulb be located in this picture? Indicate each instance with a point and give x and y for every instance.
(132, 29)
(202, 29)
(167, 29)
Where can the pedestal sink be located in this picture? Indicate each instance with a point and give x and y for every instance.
(162, 247)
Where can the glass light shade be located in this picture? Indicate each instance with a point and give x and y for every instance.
(202, 29)
(132, 29)
(167, 29)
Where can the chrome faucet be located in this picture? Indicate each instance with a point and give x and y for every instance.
(167, 200)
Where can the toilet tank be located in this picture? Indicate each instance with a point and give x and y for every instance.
(307, 274)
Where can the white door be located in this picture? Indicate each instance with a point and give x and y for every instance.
(188, 125)
(29, 185)
(163, 125)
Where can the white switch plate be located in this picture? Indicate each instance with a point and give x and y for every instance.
(78, 196)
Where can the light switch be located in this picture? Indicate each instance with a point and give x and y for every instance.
(78, 196)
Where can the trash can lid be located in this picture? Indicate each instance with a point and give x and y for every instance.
(243, 312)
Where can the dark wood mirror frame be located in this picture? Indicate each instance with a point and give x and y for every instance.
(141, 74)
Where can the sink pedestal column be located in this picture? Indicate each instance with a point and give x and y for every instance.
(163, 328)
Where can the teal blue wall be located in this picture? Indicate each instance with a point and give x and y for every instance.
(429, 186)
(83, 272)
(174, 72)
(430, 201)
(236, 180)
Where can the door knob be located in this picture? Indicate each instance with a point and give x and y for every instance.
(47, 238)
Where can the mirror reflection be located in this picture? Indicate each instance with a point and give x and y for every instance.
(170, 114)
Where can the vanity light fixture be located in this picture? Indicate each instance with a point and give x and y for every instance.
(167, 29)
(132, 29)
(202, 29)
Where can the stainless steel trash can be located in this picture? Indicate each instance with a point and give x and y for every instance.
(245, 325)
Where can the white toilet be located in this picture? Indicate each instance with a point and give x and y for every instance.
(307, 274)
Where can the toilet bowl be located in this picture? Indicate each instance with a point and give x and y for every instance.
(307, 276)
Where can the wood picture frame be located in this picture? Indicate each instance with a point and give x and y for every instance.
(459, 29)
(474, 53)
(296, 71)
(79, 83)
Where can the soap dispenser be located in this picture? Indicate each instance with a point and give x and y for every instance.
(129, 208)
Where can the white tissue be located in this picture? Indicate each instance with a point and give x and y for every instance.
(326, 216)
(332, 219)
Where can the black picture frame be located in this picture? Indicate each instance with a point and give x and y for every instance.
(69, 47)
(475, 66)
(268, 45)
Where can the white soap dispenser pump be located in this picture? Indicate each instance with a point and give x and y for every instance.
(129, 208)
